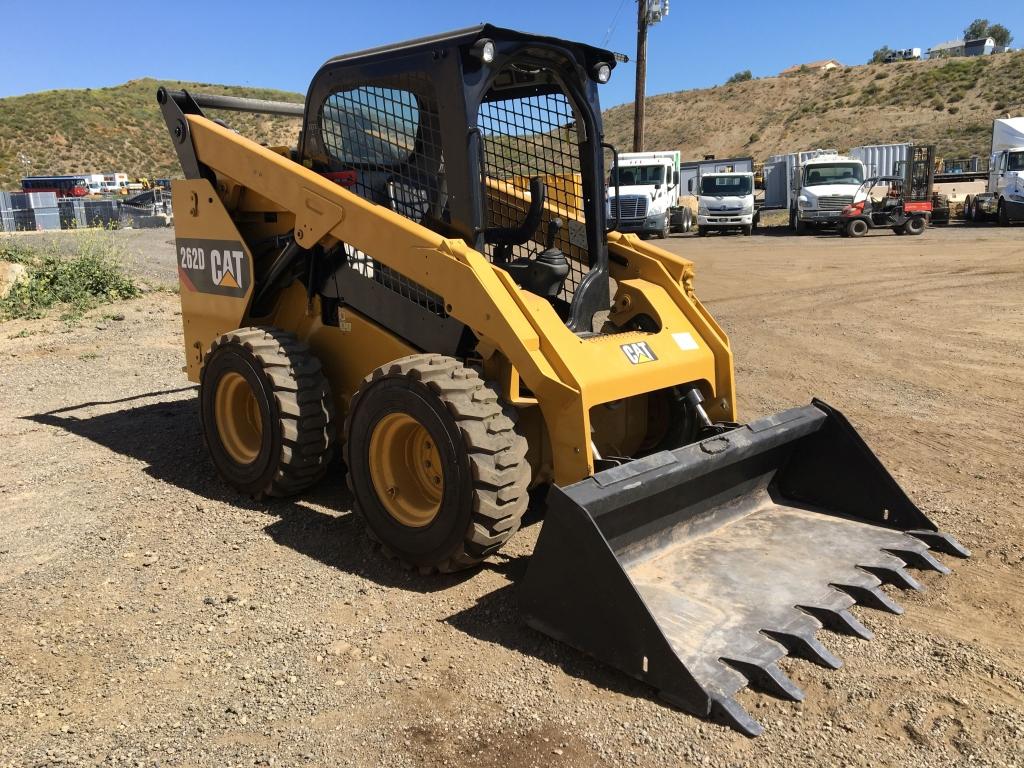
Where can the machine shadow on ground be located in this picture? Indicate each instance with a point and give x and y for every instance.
(165, 437)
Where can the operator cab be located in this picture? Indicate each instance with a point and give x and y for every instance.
(484, 134)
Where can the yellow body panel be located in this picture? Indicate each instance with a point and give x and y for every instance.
(565, 374)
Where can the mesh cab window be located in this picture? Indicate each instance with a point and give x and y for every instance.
(535, 136)
(371, 126)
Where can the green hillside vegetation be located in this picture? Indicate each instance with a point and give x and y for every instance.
(118, 128)
(947, 102)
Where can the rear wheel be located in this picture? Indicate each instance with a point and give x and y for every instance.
(857, 228)
(915, 225)
(266, 412)
(977, 214)
(435, 465)
(969, 208)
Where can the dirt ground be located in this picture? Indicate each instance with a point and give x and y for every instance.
(150, 617)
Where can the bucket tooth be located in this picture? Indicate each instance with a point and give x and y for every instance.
(922, 560)
(895, 575)
(806, 647)
(942, 542)
(840, 621)
(767, 678)
(727, 712)
(871, 597)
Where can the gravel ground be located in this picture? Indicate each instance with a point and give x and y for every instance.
(152, 618)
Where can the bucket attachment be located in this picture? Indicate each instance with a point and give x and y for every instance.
(696, 570)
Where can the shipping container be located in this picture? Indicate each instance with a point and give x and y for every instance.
(881, 159)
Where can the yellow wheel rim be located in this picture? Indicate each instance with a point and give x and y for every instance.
(239, 423)
(405, 467)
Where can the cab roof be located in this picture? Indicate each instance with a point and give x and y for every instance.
(467, 37)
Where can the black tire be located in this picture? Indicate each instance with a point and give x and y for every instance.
(857, 228)
(748, 230)
(792, 219)
(294, 442)
(900, 230)
(915, 225)
(482, 465)
(968, 214)
(665, 229)
(977, 214)
(702, 231)
(687, 220)
(799, 227)
(1004, 214)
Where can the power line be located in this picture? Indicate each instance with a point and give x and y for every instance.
(611, 26)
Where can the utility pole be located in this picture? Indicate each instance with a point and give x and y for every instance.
(648, 12)
(641, 76)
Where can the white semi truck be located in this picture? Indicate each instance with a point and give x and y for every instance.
(725, 202)
(643, 194)
(1003, 198)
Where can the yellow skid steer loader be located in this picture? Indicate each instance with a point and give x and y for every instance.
(430, 282)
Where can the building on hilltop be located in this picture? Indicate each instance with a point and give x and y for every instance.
(813, 66)
(982, 46)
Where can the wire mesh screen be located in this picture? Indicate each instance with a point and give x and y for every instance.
(385, 145)
(531, 136)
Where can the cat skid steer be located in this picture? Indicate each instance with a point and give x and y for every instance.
(428, 282)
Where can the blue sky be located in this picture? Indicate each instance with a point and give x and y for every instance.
(71, 44)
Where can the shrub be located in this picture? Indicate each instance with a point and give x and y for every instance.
(953, 110)
(88, 278)
(740, 77)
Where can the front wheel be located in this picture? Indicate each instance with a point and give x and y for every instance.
(435, 465)
(915, 225)
(748, 230)
(664, 229)
(857, 228)
(1004, 214)
(702, 231)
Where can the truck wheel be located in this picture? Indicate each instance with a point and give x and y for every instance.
(664, 230)
(800, 227)
(857, 228)
(748, 230)
(969, 208)
(688, 220)
(266, 412)
(435, 465)
(1004, 214)
(792, 219)
(915, 225)
(977, 214)
(702, 231)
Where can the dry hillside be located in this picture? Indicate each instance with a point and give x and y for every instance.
(949, 103)
(102, 129)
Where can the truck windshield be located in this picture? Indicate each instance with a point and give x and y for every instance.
(833, 173)
(1015, 162)
(725, 185)
(637, 175)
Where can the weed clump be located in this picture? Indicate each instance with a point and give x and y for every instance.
(76, 282)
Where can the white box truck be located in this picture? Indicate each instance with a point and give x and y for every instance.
(643, 194)
(1003, 198)
(814, 186)
(725, 202)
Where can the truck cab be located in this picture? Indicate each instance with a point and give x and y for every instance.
(1003, 198)
(827, 184)
(643, 190)
(725, 202)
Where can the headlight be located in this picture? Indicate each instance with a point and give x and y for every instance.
(602, 73)
(702, 210)
(803, 202)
